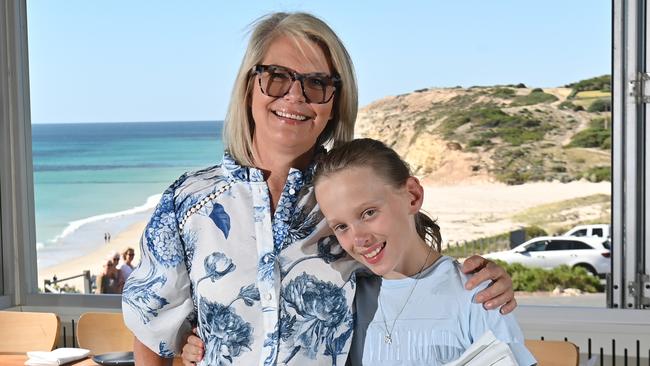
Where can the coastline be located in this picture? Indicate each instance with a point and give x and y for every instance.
(93, 260)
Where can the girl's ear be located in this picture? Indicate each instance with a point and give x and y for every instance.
(416, 194)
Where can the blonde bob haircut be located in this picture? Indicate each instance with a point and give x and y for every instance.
(239, 125)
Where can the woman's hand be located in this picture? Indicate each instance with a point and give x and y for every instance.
(192, 350)
(499, 293)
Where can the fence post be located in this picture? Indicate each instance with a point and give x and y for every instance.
(86, 281)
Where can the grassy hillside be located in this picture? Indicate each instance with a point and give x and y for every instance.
(512, 134)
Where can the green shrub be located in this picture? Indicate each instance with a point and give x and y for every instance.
(599, 174)
(590, 137)
(538, 279)
(600, 105)
(602, 83)
(566, 105)
(534, 231)
(504, 93)
(536, 96)
(607, 144)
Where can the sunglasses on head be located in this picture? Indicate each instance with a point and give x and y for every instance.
(276, 81)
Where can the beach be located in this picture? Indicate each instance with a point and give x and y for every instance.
(93, 261)
(464, 212)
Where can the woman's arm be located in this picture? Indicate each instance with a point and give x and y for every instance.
(145, 356)
(499, 293)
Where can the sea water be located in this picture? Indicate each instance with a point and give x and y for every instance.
(93, 178)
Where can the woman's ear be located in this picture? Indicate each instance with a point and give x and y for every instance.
(416, 194)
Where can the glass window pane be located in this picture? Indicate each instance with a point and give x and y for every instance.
(510, 142)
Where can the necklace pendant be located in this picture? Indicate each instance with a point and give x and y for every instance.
(388, 339)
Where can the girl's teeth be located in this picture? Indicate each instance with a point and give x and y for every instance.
(374, 252)
(290, 115)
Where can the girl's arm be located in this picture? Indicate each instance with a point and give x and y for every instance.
(499, 293)
(144, 356)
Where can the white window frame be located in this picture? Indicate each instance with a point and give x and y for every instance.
(629, 223)
(18, 239)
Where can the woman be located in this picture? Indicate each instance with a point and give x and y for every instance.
(241, 248)
(108, 281)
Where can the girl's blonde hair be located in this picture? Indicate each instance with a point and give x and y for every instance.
(384, 162)
(239, 125)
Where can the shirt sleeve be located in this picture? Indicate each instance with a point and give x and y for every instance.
(504, 327)
(156, 300)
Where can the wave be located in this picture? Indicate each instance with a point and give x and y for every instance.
(83, 167)
(150, 203)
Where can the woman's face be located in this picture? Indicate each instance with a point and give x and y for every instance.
(372, 220)
(289, 123)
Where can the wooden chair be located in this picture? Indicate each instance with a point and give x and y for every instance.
(553, 353)
(103, 333)
(27, 331)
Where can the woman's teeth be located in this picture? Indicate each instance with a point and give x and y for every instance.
(291, 115)
(375, 252)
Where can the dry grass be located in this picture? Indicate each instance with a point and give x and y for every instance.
(557, 217)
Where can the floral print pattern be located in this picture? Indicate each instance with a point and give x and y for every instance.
(264, 288)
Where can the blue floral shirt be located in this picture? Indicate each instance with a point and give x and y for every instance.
(264, 289)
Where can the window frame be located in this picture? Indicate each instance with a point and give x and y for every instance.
(17, 238)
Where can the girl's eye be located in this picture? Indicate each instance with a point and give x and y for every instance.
(369, 213)
(340, 227)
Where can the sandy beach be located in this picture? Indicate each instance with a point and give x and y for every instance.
(472, 211)
(464, 212)
(93, 261)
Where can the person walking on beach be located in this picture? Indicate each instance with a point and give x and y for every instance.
(241, 249)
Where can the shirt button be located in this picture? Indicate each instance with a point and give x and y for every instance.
(292, 191)
(269, 296)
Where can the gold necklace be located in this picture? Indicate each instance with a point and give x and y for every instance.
(388, 337)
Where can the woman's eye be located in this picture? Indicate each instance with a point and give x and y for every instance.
(339, 228)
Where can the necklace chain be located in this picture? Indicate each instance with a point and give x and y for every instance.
(388, 338)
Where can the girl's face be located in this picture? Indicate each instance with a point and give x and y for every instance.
(374, 221)
(289, 123)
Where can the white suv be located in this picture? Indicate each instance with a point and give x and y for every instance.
(592, 254)
(599, 230)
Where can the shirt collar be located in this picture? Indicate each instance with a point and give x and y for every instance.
(252, 174)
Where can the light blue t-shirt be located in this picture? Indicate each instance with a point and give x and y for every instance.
(439, 322)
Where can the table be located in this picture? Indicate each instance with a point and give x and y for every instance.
(19, 360)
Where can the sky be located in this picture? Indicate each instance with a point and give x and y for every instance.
(164, 60)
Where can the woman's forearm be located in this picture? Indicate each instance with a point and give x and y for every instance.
(146, 357)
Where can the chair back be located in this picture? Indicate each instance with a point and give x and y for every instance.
(26, 331)
(553, 353)
(104, 333)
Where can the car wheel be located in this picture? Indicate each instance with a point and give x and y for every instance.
(591, 270)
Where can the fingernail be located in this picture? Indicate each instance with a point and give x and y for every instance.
(489, 304)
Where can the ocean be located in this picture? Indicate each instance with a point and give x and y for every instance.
(92, 178)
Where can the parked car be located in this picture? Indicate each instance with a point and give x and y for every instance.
(590, 253)
(599, 230)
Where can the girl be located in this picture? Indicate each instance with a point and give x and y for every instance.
(372, 204)
(418, 312)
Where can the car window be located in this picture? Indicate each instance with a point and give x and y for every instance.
(559, 245)
(598, 232)
(579, 245)
(607, 244)
(581, 232)
(537, 246)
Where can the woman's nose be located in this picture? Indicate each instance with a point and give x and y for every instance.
(295, 92)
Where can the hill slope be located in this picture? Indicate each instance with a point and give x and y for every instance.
(508, 134)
